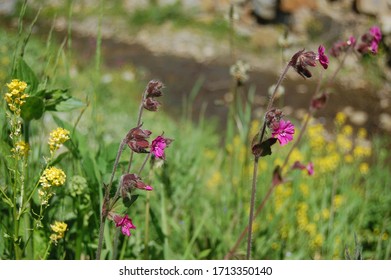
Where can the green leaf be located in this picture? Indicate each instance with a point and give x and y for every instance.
(26, 74)
(69, 105)
(33, 108)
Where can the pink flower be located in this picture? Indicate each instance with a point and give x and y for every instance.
(323, 59)
(284, 132)
(310, 168)
(159, 145)
(125, 223)
(376, 33)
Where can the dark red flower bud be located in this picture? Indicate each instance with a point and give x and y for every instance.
(273, 118)
(131, 181)
(136, 139)
(151, 104)
(154, 88)
(319, 102)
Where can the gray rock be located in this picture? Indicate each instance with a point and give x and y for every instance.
(265, 9)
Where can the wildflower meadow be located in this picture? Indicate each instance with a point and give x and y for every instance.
(98, 166)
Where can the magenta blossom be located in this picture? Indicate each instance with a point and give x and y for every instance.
(322, 57)
(376, 33)
(125, 223)
(310, 168)
(159, 145)
(284, 132)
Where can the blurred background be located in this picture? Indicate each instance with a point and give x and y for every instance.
(182, 41)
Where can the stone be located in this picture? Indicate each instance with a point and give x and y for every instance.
(7, 7)
(291, 6)
(371, 7)
(265, 9)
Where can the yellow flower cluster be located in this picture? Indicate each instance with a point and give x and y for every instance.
(346, 146)
(21, 149)
(16, 97)
(51, 176)
(59, 229)
(57, 137)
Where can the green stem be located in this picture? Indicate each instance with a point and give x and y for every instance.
(47, 251)
(146, 235)
(256, 158)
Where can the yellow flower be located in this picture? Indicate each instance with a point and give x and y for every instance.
(16, 97)
(317, 241)
(59, 229)
(52, 176)
(344, 142)
(362, 133)
(304, 189)
(349, 158)
(338, 200)
(57, 138)
(325, 214)
(21, 149)
(364, 168)
(362, 150)
(215, 180)
(347, 130)
(340, 118)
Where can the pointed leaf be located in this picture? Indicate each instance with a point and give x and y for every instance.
(26, 74)
(69, 105)
(33, 108)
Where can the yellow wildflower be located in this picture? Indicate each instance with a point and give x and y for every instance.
(338, 200)
(362, 133)
(347, 130)
(16, 97)
(349, 158)
(304, 189)
(21, 149)
(59, 229)
(385, 236)
(52, 176)
(317, 241)
(364, 168)
(325, 214)
(340, 118)
(57, 138)
(362, 150)
(344, 143)
(215, 180)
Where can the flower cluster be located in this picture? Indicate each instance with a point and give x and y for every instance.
(16, 97)
(59, 229)
(153, 90)
(369, 43)
(239, 71)
(51, 177)
(57, 137)
(301, 60)
(137, 140)
(21, 149)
